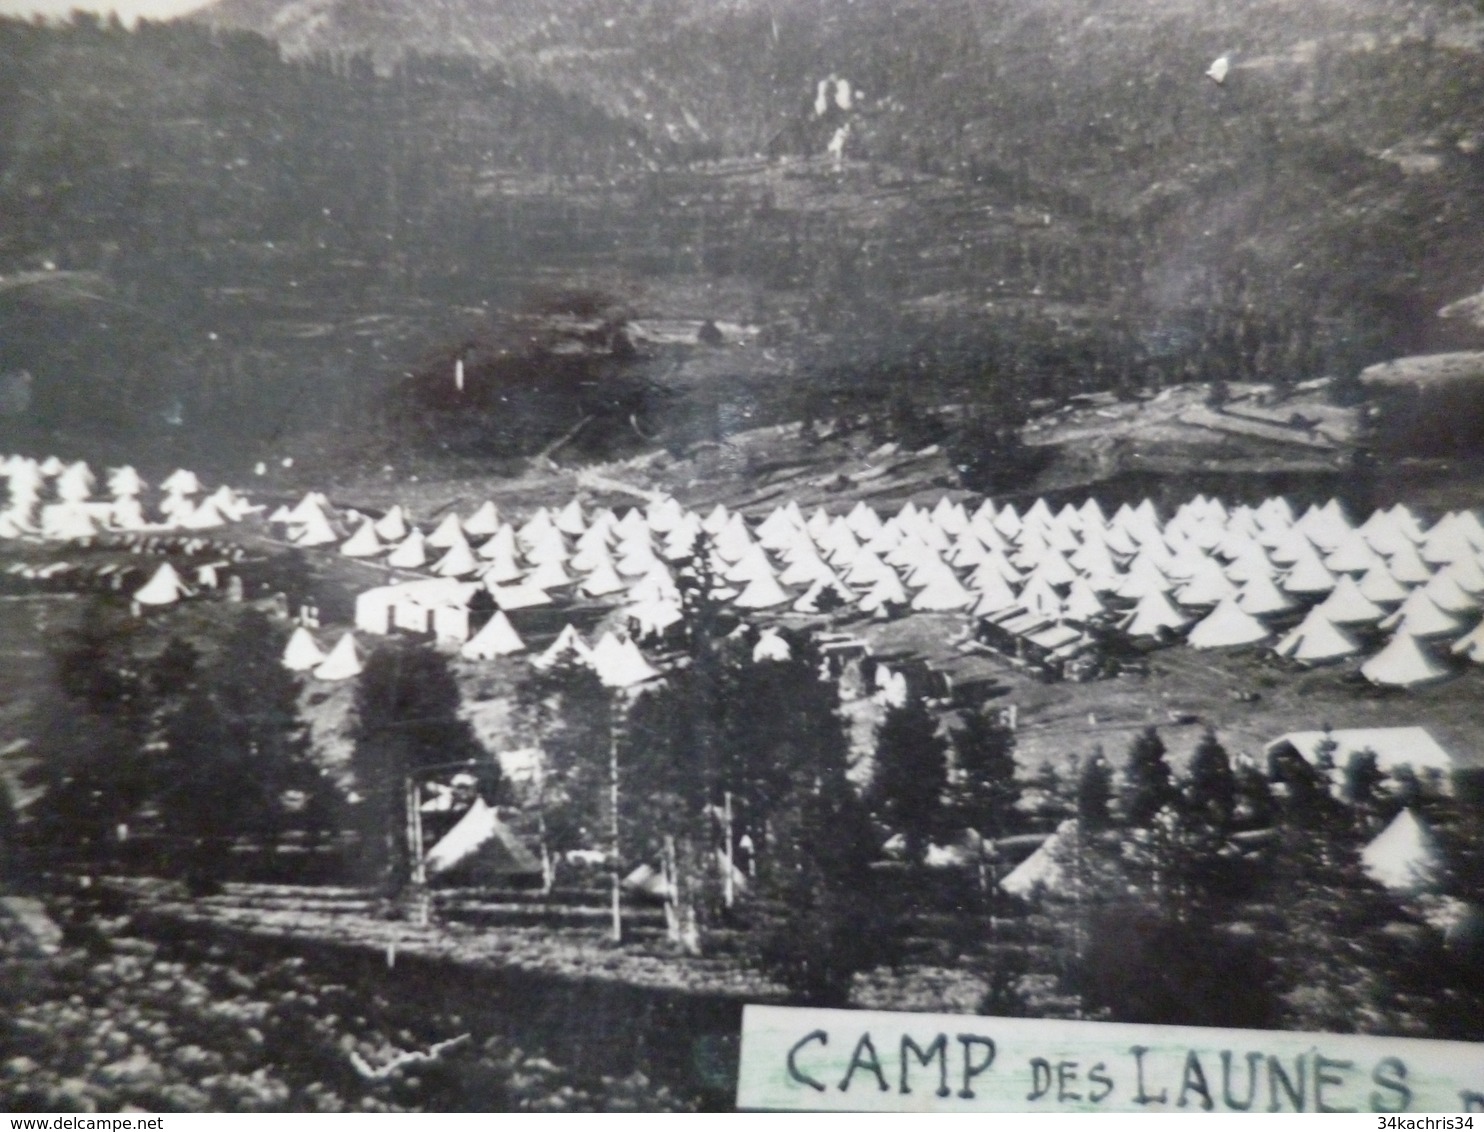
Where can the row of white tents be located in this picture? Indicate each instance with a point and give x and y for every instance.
(53, 500)
(1311, 587)
(1404, 858)
(1314, 588)
(617, 660)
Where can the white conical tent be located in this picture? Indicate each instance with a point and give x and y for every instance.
(806, 568)
(458, 562)
(620, 664)
(313, 529)
(604, 580)
(1403, 663)
(548, 576)
(75, 483)
(763, 592)
(301, 512)
(1420, 616)
(410, 554)
(343, 661)
(824, 591)
(1378, 585)
(1208, 586)
(302, 651)
(1317, 640)
(1042, 871)
(536, 528)
(362, 544)
(863, 521)
(1262, 598)
(128, 514)
(1467, 574)
(1407, 567)
(392, 527)
(568, 646)
(1352, 555)
(518, 597)
(502, 569)
(943, 593)
(994, 595)
(448, 532)
(67, 521)
(164, 588)
(206, 517)
(485, 521)
(497, 638)
(1404, 857)
(1471, 645)
(887, 592)
(480, 831)
(1228, 626)
(549, 546)
(181, 482)
(1449, 596)
(1308, 577)
(570, 519)
(124, 482)
(654, 617)
(1346, 605)
(1154, 614)
(770, 646)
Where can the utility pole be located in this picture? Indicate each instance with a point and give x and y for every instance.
(415, 848)
(614, 723)
(728, 887)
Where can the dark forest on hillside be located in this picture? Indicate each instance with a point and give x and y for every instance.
(219, 248)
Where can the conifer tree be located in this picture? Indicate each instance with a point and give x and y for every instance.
(1095, 793)
(1148, 785)
(985, 795)
(906, 793)
(817, 917)
(407, 717)
(1211, 785)
(231, 750)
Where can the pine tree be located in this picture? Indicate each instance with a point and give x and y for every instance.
(1363, 779)
(1148, 785)
(92, 730)
(232, 751)
(1094, 794)
(568, 713)
(984, 797)
(1255, 807)
(407, 717)
(1211, 785)
(817, 917)
(906, 792)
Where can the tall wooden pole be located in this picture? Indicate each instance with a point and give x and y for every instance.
(616, 875)
(727, 885)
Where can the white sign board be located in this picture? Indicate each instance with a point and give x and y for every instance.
(861, 1060)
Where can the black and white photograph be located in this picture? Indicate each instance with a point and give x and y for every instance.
(529, 527)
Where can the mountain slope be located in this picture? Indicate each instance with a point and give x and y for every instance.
(1337, 168)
